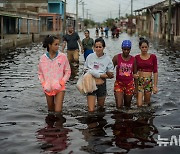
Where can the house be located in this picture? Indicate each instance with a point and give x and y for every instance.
(52, 20)
(23, 22)
(19, 25)
(153, 20)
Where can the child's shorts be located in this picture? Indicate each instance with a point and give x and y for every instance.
(100, 92)
(127, 89)
(145, 84)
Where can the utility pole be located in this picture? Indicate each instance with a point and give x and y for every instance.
(76, 26)
(64, 21)
(83, 9)
(90, 16)
(131, 7)
(131, 15)
(82, 3)
(119, 11)
(169, 22)
(87, 13)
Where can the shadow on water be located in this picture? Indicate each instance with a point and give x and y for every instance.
(23, 107)
(133, 131)
(127, 131)
(54, 137)
(94, 133)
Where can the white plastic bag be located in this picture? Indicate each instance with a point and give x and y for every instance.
(89, 84)
(86, 84)
(79, 84)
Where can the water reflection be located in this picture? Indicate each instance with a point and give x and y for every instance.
(94, 133)
(54, 136)
(21, 99)
(134, 130)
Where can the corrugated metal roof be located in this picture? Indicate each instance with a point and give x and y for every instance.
(160, 4)
(7, 14)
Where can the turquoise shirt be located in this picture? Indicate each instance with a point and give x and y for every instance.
(47, 54)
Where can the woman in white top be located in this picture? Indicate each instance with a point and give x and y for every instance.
(100, 66)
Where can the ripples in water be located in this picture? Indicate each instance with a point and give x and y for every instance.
(25, 125)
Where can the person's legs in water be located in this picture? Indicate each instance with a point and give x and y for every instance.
(50, 103)
(140, 93)
(148, 90)
(59, 101)
(101, 93)
(119, 99)
(147, 98)
(119, 93)
(144, 90)
(127, 100)
(128, 94)
(91, 100)
(100, 103)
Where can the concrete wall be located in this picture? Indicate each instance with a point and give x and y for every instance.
(12, 41)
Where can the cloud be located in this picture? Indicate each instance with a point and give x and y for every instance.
(99, 10)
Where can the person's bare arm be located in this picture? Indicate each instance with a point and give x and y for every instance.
(63, 46)
(135, 75)
(80, 43)
(155, 89)
(114, 60)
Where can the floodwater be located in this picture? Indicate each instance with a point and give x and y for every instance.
(26, 127)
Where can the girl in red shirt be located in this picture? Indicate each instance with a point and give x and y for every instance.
(125, 68)
(146, 67)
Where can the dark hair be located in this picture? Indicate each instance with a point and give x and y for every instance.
(100, 39)
(86, 31)
(49, 39)
(143, 40)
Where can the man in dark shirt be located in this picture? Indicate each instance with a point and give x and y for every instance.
(72, 39)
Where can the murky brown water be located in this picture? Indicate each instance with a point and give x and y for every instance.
(25, 126)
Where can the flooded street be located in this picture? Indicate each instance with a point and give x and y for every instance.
(26, 127)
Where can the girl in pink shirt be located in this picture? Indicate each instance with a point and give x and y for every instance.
(124, 86)
(146, 67)
(53, 73)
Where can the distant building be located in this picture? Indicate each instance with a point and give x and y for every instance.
(153, 20)
(24, 21)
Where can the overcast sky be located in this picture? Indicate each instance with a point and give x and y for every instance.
(99, 10)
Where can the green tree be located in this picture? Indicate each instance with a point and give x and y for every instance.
(89, 23)
(109, 22)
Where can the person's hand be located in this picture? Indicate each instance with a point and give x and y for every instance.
(62, 83)
(135, 76)
(110, 75)
(135, 92)
(103, 76)
(43, 84)
(82, 50)
(155, 90)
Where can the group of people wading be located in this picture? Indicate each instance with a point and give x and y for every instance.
(134, 75)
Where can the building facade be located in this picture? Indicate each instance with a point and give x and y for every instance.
(24, 21)
(155, 21)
